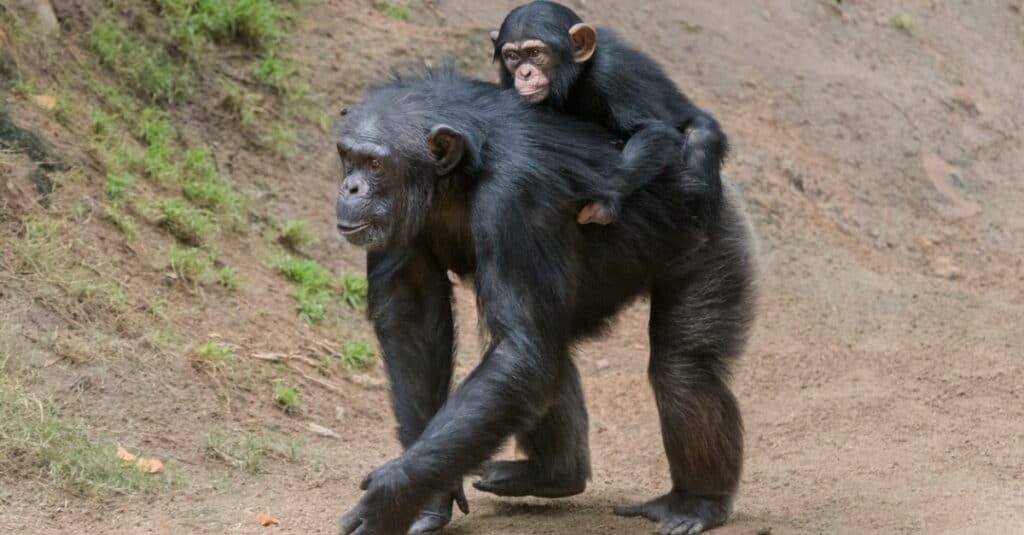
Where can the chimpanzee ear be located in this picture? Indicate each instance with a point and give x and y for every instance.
(494, 36)
(447, 146)
(584, 42)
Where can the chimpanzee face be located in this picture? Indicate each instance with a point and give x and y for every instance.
(388, 178)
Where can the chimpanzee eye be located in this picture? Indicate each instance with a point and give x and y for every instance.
(376, 167)
(511, 56)
(534, 53)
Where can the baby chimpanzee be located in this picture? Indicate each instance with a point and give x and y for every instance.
(550, 55)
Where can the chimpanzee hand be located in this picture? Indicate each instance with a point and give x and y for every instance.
(602, 212)
(390, 505)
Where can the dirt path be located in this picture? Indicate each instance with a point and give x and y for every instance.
(882, 388)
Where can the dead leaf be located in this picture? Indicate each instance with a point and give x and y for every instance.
(124, 455)
(150, 466)
(47, 102)
(266, 520)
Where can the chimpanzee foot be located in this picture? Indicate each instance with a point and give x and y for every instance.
(679, 514)
(437, 512)
(519, 478)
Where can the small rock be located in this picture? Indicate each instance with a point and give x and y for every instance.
(47, 18)
(764, 531)
(603, 364)
(944, 267)
(322, 431)
(796, 178)
(339, 413)
(366, 381)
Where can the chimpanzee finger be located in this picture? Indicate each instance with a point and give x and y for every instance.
(350, 522)
(365, 484)
(460, 499)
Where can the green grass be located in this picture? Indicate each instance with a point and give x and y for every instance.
(195, 23)
(396, 11)
(311, 303)
(903, 22)
(118, 187)
(274, 71)
(124, 222)
(144, 67)
(304, 271)
(281, 142)
(64, 110)
(214, 356)
(250, 450)
(357, 354)
(190, 225)
(296, 234)
(228, 277)
(102, 123)
(353, 291)
(39, 250)
(35, 438)
(189, 264)
(205, 187)
(287, 398)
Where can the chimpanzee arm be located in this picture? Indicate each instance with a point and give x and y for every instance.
(524, 284)
(410, 305)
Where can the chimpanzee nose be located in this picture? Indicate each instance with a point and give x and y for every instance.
(354, 187)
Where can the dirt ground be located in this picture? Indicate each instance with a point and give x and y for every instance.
(882, 388)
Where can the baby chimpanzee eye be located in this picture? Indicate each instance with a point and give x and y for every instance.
(534, 53)
(511, 56)
(376, 167)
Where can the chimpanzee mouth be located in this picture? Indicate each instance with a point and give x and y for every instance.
(348, 228)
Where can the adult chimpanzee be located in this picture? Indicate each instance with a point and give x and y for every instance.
(443, 173)
(550, 55)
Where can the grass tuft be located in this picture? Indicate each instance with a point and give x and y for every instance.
(190, 225)
(287, 398)
(250, 451)
(189, 264)
(296, 234)
(36, 438)
(146, 68)
(353, 291)
(357, 354)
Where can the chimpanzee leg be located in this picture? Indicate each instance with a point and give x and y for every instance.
(410, 301)
(698, 327)
(557, 449)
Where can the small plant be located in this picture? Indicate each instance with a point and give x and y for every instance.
(228, 278)
(311, 302)
(274, 71)
(214, 356)
(303, 271)
(118, 187)
(281, 141)
(296, 234)
(251, 450)
(190, 225)
(63, 110)
(286, 398)
(117, 296)
(124, 222)
(353, 290)
(357, 354)
(155, 127)
(189, 264)
(241, 104)
(903, 22)
(396, 11)
(144, 67)
(102, 123)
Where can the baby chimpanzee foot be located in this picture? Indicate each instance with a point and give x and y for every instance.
(520, 478)
(679, 514)
(600, 212)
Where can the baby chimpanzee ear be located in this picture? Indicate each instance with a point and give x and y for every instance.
(447, 146)
(494, 36)
(584, 42)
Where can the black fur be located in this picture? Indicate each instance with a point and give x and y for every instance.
(503, 216)
(627, 92)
